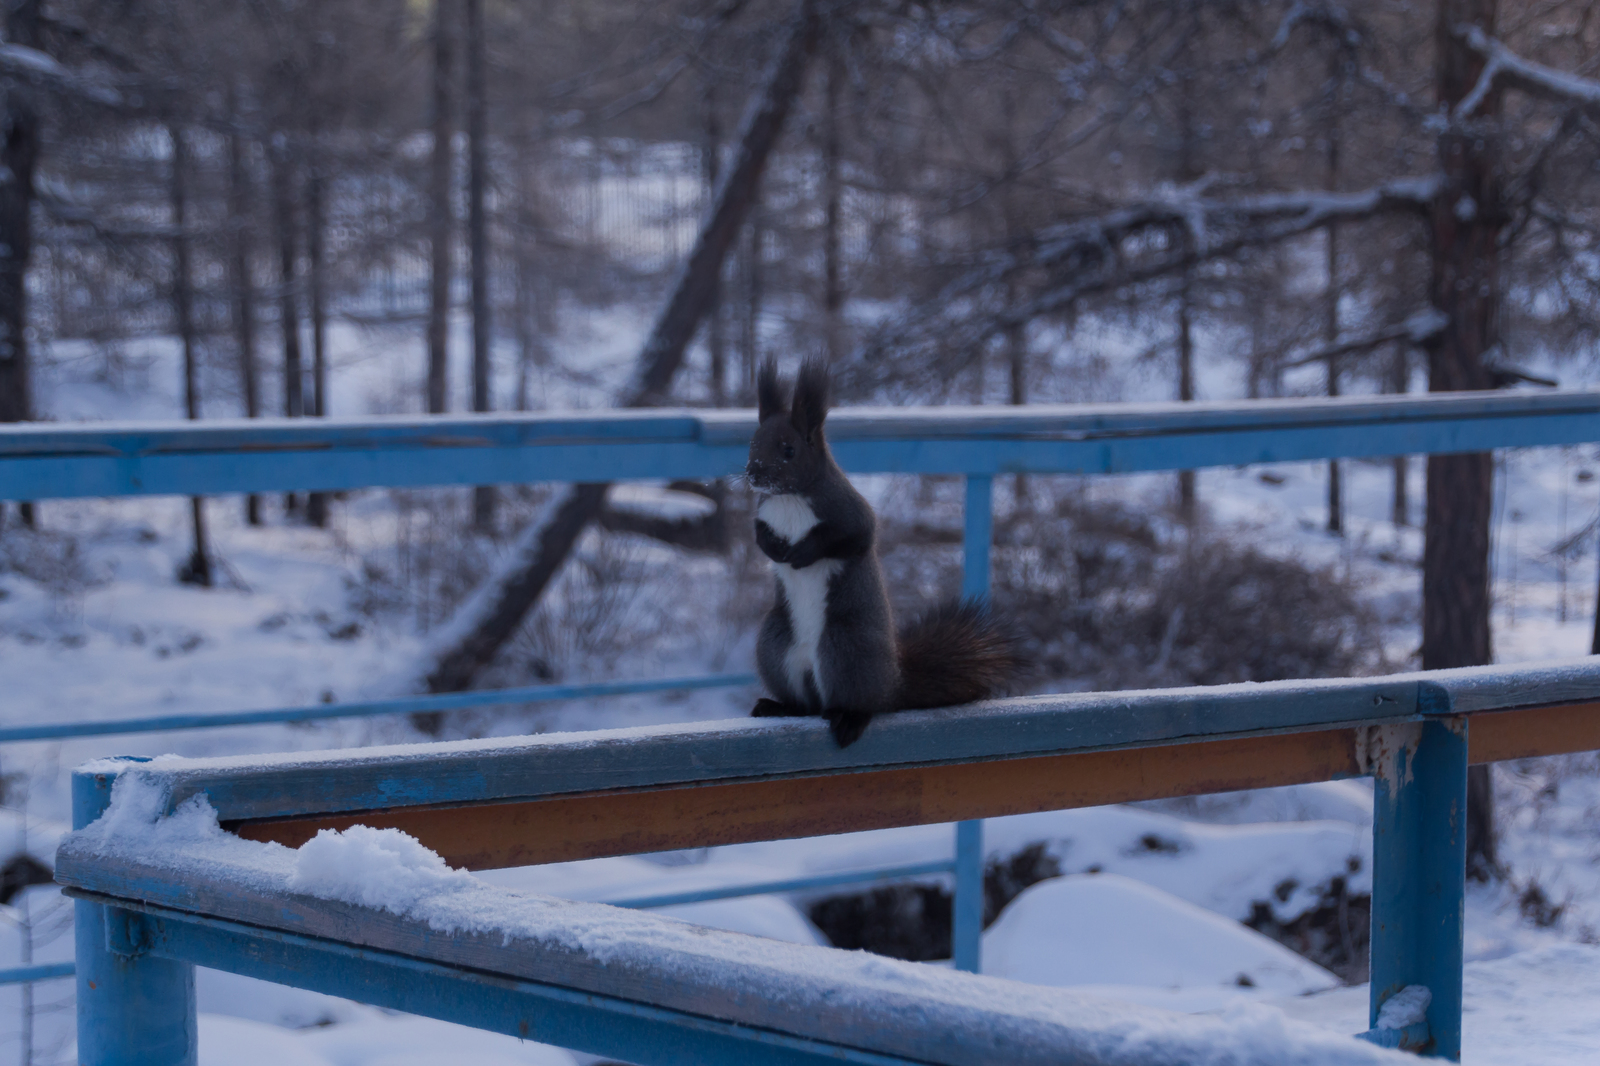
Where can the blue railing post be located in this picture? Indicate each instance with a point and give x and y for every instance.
(133, 1009)
(1419, 856)
(966, 931)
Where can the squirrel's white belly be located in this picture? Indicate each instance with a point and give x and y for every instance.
(806, 592)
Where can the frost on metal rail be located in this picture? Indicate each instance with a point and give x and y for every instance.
(156, 898)
(123, 459)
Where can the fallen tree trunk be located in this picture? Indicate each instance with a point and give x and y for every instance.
(492, 615)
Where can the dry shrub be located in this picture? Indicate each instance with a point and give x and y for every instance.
(1105, 596)
(54, 560)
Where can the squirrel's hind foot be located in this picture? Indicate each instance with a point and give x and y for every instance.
(847, 726)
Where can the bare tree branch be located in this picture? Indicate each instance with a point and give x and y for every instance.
(1124, 247)
(46, 72)
(1504, 67)
(1417, 329)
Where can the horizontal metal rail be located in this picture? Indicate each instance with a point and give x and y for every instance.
(449, 701)
(134, 459)
(25, 975)
(610, 1025)
(52, 971)
(792, 884)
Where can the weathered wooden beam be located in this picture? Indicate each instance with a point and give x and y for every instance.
(253, 788)
(563, 828)
(630, 821)
(1538, 731)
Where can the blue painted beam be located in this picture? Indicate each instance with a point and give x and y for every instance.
(1419, 870)
(55, 461)
(966, 910)
(317, 712)
(23, 975)
(793, 884)
(529, 1010)
(134, 1008)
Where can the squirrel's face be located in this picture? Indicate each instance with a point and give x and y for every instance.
(788, 453)
(781, 459)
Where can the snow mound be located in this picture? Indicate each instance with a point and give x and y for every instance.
(1536, 1006)
(369, 867)
(1102, 929)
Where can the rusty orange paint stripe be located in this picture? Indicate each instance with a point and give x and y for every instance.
(1499, 735)
(593, 825)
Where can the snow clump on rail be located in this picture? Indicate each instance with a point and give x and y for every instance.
(382, 868)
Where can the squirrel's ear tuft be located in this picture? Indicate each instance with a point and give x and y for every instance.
(811, 395)
(771, 396)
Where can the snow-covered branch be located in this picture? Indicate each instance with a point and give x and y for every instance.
(1504, 67)
(1128, 245)
(38, 68)
(1417, 328)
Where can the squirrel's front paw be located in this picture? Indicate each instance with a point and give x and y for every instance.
(766, 708)
(802, 555)
(847, 726)
(772, 546)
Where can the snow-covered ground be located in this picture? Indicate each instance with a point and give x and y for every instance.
(93, 626)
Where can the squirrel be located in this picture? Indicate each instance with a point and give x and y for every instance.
(828, 647)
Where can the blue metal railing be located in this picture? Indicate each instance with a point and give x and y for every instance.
(22, 975)
(57, 461)
(449, 701)
(152, 910)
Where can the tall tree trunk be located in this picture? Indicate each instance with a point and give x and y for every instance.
(242, 231)
(531, 350)
(197, 571)
(1467, 218)
(833, 197)
(753, 294)
(544, 546)
(711, 169)
(440, 214)
(1400, 382)
(1016, 334)
(483, 497)
(283, 177)
(1330, 323)
(1188, 171)
(1186, 486)
(317, 276)
(19, 156)
(1594, 641)
(1330, 331)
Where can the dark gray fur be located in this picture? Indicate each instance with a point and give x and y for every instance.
(956, 653)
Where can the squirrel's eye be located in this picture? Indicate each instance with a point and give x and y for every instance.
(788, 451)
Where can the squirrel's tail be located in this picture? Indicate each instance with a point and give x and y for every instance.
(955, 653)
